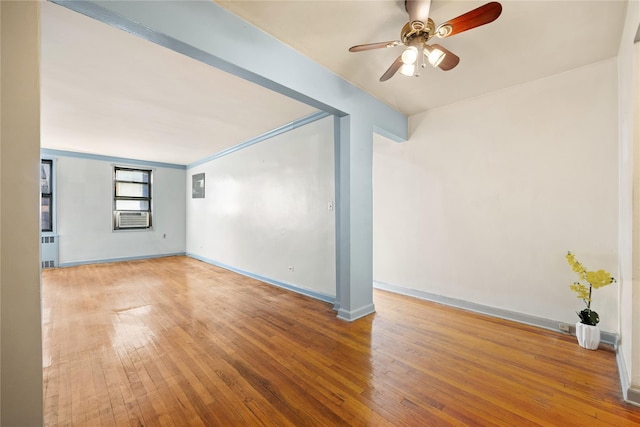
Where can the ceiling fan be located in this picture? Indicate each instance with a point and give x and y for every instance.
(420, 29)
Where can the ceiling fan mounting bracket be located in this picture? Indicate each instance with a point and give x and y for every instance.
(417, 25)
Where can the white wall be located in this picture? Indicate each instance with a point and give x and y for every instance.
(266, 209)
(629, 107)
(84, 192)
(484, 200)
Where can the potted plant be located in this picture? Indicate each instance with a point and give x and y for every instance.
(587, 330)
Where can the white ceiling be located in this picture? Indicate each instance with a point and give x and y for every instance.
(107, 92)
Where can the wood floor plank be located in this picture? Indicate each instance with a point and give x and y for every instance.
(176, 342)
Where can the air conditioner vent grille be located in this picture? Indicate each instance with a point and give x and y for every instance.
(132, 219)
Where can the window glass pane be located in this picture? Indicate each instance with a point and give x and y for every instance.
(132, 205)
(127, 189)
(45, 213)
(45, 177)
(129, 175)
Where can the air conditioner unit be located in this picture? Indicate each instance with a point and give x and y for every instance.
(132, 219)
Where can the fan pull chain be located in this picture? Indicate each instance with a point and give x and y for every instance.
(421, 63)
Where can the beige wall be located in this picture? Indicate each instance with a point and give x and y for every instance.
(484, 200)
(629, 231)
(20, 333)
(0, 212)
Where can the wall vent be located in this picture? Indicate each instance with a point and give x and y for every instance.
(48, 239)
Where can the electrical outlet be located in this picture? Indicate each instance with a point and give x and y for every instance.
(290, 268)
(564, 327)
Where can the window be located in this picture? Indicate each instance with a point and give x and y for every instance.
(131, 198)
(46, 196)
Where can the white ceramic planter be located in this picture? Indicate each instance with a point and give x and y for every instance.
(588, 336)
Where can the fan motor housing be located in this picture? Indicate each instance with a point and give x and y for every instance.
(408, 34)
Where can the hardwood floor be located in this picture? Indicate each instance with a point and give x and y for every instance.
(177, 342)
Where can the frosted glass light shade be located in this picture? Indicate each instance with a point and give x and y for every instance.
(434, 56)
(408, 69)
(410, 55)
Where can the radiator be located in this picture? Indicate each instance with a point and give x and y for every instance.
(49, 251)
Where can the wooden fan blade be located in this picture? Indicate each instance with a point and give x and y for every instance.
(392, 69)
(418, 10)
(450, 59)
(379, 45)
(472, 19)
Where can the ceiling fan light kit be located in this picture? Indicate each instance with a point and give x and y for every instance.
(410, 55)
(408, 69)
(434, 55)
(420, 29)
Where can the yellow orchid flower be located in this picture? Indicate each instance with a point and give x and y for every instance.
(575, 265)
(599, 278)
(581, 290)
(596, 279)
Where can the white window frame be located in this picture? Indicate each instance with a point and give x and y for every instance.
(53, 195)
(132, 220)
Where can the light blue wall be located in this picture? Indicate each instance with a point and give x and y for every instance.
(84, 205)
(266, 210)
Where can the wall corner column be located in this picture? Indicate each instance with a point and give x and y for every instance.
(354, 217)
